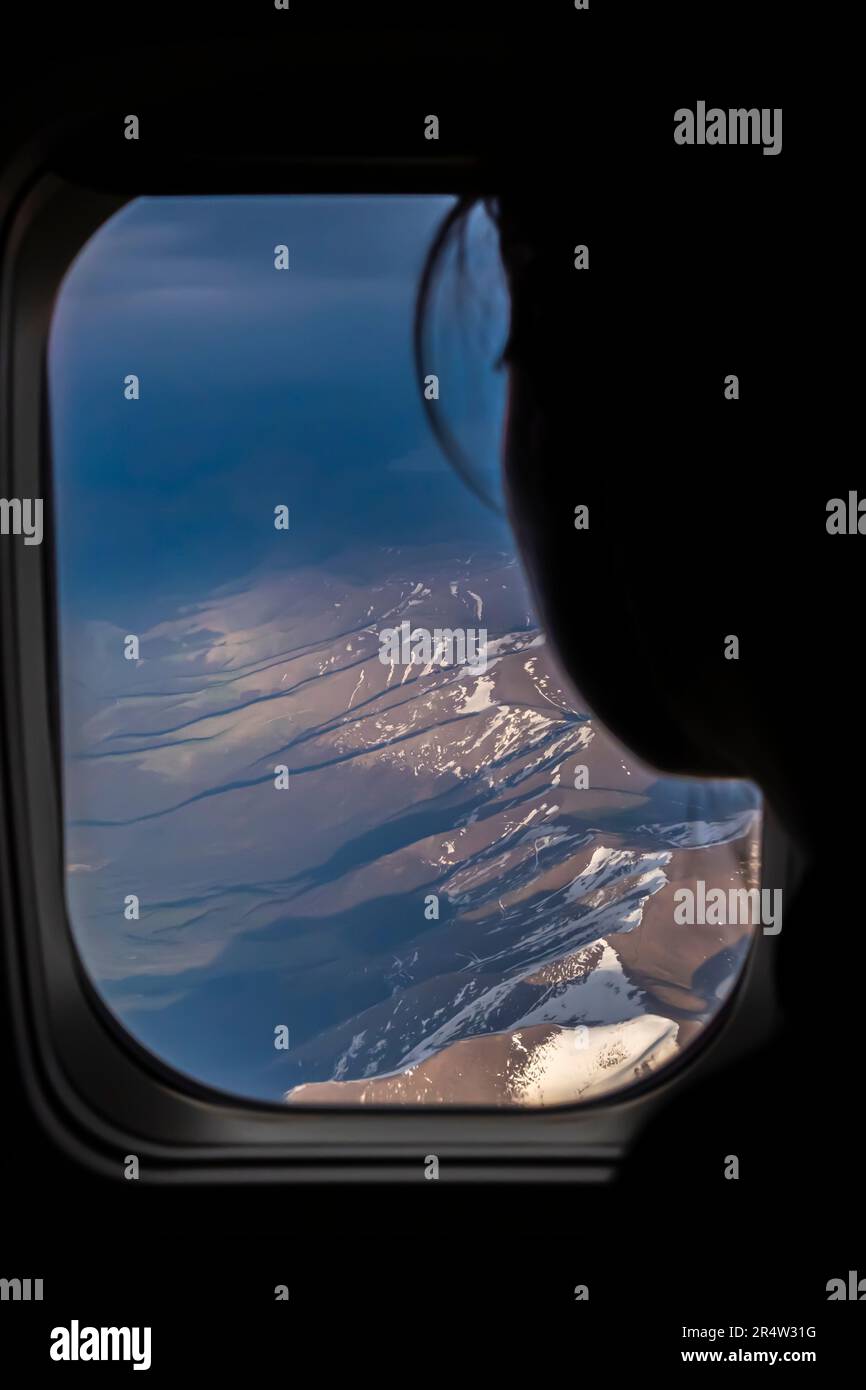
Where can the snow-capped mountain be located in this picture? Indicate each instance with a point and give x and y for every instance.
(439, 906)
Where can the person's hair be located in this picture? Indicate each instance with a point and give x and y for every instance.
(451, 233)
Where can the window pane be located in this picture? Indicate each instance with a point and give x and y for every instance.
(308, 856)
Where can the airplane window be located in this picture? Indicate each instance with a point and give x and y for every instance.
(335, 831)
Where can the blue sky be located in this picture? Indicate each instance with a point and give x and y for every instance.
(257, 387)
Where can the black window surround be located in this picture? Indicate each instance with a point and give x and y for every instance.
(101, 1095)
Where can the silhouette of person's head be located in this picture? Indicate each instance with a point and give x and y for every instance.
(694, 533)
